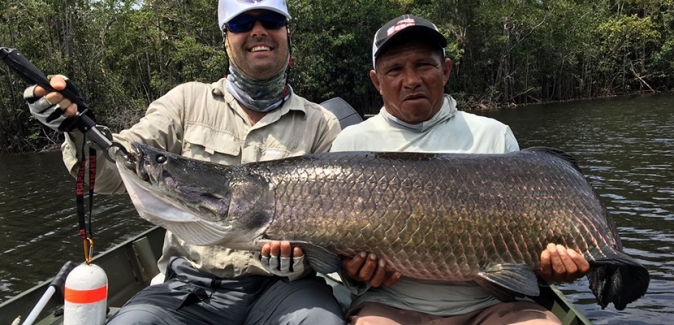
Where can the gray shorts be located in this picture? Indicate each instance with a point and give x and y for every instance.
(189, 296)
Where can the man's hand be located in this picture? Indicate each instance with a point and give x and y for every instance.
(559, 264)
(277, 259)
(369, 268)
(42, 103)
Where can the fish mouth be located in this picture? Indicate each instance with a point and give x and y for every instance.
(135, 164)
(190, 199)
(126, 160)
(138, 163)
(167, 202)
(146, 168)
(156, 173)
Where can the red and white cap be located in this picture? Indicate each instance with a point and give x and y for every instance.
(228, 9)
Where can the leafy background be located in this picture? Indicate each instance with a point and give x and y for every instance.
(124, 54)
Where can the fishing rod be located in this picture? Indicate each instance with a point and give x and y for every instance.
(89, 283)
(57, 283)
(81, 121)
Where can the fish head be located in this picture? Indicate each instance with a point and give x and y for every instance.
(200, 202)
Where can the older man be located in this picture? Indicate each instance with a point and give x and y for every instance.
(410, 72)
(251, 115)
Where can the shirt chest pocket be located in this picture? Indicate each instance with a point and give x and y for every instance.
(210, 145)
(273, 148)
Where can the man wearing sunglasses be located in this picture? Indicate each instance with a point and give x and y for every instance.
(251, 115)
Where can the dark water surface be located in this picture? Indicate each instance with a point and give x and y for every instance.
(38, 221)
(625, 147)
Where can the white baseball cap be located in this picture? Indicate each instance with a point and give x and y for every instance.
(228, 9)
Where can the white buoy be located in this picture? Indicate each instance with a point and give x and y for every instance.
(86, 296)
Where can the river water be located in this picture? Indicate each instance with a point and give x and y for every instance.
(625, 146)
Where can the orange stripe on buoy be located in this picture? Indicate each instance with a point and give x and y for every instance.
(86, 296)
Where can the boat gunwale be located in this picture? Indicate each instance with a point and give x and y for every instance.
(137, 252)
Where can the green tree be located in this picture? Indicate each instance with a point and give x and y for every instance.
(125, 53)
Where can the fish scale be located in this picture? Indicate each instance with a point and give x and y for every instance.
(442, 217)
(411, 194)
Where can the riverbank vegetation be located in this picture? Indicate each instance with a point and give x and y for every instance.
(123, 54)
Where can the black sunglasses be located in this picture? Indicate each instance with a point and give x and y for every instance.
(244, 23)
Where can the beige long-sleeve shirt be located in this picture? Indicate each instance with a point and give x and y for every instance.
(190, 120)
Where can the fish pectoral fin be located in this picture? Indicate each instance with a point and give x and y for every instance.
(319, 258)
(507, 281)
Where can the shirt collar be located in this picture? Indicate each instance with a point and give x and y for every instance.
(446, 112)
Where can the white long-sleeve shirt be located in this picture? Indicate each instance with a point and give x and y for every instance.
(449, 131)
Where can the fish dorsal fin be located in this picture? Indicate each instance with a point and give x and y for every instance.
(557, 153)
(507, 281)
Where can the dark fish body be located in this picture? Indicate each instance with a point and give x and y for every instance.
(446, 217)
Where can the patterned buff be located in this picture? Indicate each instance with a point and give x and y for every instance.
(442, 115)
(258, 95)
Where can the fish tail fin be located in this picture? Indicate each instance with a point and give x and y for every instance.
(556, 152)
(617, 278)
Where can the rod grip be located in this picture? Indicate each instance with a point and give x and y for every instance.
(59, 280)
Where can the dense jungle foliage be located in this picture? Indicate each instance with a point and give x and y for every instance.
(123, 54)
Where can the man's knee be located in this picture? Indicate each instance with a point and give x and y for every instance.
(521, 312)
(306, 301)
(142, 314)
(312, 305)
(313, 316)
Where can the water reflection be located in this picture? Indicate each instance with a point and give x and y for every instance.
(625, 147)
(38, 221)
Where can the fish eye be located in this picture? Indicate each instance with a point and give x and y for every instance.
(160, 159)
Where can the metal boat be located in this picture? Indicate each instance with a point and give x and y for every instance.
(131, 265)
